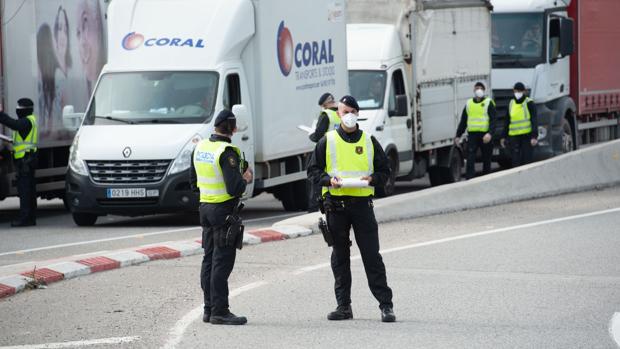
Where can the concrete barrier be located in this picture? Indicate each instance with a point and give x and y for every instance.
(591, 168)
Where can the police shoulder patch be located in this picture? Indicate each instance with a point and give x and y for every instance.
(232, 162)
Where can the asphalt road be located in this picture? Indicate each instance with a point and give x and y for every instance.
(56, 237)
(536, 274)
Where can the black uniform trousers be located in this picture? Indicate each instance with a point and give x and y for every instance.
(358, 213)
(474, 142)
(218, 262)
(26, 187)
(521, 149)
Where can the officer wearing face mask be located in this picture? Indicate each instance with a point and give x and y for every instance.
(25, 140)
(521, 127)
(342, 156)
(479, 119)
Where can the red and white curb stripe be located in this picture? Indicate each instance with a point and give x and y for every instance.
(12, 284)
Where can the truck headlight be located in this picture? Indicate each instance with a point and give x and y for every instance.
(542, 132)
(184, 159)
(75, 163)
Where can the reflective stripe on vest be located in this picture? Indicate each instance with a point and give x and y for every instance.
(210, 178)
(22, 146)
(349, 160)
(334, 120)
(520, 123)
(478, 115)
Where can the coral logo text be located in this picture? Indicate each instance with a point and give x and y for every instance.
(135, 40)
(304, 55)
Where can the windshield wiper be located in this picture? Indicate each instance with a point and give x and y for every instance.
(115, 119)
(158, 121)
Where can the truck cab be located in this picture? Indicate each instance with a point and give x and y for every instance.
(532, 42)
(377, 77)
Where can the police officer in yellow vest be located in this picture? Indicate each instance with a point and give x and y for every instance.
(343, 156)
(218, 174)
(521, 127)
(328, 121)
(25, 140)
(478, 118)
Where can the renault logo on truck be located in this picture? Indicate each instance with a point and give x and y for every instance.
(303, 54)
(134, 40)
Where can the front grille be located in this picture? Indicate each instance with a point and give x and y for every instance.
(127, 202)
(128, 171)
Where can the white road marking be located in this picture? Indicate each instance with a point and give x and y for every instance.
(77, 344)
(176, 333)
(614, 328)
(134, 236)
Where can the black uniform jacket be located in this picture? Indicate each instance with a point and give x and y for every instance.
(21, 125)
(533, 118)
(322, 126)
(316, 168)
(492, 119)
(230, 162)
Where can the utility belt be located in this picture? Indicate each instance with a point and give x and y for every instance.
(331, 204)
(230, 234)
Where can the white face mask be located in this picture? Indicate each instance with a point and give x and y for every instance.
(349, 120)
(518, 95)
(479, 93)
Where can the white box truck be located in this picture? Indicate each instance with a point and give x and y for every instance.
(172, 66)
(412, 67)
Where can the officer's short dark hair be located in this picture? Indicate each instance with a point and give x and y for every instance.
(480, 84)
(519, 86)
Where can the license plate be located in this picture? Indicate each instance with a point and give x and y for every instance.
(126, 193)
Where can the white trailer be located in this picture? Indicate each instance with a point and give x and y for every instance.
(424, 58)
(172, 66)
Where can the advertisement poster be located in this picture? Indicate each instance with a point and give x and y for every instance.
(70, 52)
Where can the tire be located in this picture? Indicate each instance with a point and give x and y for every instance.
(504, 163)
(84, 219)
(567, 137)
(284, 193)
(390, 186)
(434, 175)
(301, 194)
(453, 173)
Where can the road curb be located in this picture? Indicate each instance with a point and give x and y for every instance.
(110, 260)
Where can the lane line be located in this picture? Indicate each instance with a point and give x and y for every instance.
(124, 237)
(614, 328)
(77, 344)
(176, 333)
(468, 236)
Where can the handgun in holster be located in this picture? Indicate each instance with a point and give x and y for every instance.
(234, 228)
(325, 208)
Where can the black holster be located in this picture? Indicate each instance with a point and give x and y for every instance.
(230, 234)
(327, 235)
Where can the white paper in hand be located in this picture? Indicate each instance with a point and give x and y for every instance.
(354, 183)
(305, 128)
(5, 138)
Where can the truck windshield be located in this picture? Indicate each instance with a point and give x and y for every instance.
(368, 88)
(518, 40)
(153, 97)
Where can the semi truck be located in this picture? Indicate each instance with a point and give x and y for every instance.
(165, 80)
(412, 67)
(51, 52)
(566, 53)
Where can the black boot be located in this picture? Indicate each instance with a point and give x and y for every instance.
(343, 312)
(228, 319)
(387, 315)
(23, 223)
(206, 317)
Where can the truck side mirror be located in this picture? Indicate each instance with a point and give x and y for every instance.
(401, 106)
(70, 119)
(567, 44)
(241, 113)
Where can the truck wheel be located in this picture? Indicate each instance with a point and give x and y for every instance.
(390, 186)
(301, 192)
(453, 173)
(567, 137)
(504, 163)
(84, 219)
(284, 193)
(434, 174)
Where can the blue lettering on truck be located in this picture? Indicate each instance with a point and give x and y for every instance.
(303, 54)
(134, 40)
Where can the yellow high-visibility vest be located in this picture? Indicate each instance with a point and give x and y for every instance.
(349, 160)
(334, 120)
(520, 118)
(210, 178)
(478, 115)
(29, 144)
